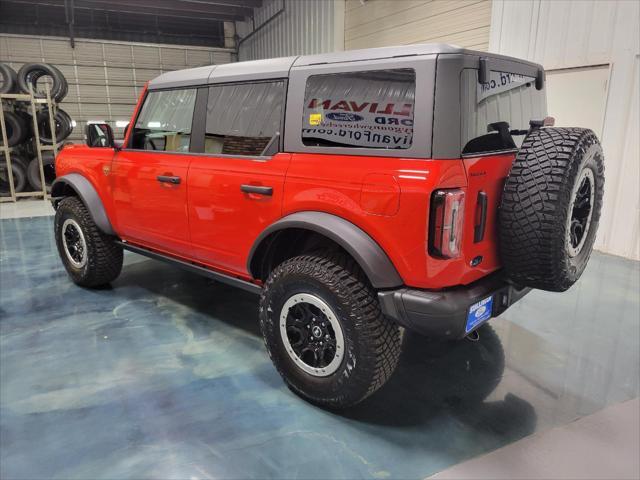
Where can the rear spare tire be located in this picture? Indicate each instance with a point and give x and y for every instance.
(550, 208)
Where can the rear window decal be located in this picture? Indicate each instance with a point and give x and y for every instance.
(501, 82)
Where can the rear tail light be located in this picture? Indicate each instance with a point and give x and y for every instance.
(446, 223)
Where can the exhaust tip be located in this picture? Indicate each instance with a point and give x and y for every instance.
(473, 336)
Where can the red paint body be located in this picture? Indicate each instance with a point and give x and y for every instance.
(208, 220)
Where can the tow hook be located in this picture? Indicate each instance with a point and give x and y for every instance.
(473, 336)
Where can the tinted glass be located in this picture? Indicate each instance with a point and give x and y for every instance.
(242, 119)
(360, 109)
(164, 123)
(506, 98)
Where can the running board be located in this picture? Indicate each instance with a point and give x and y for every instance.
(220, 277)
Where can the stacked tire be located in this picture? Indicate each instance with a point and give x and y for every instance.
(20, 125)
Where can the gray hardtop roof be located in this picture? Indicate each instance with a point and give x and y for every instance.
(377, 53)
(280, 67)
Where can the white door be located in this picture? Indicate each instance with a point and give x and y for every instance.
(577, 97)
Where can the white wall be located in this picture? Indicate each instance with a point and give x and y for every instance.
(305, 27)
(569, 34)
(379, 23)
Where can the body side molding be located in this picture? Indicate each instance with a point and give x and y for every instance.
(89, 196)
(364, 249)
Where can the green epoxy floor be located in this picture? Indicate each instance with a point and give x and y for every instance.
(164, 375)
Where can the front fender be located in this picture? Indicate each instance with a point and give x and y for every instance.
(89, 196)
(366, 252)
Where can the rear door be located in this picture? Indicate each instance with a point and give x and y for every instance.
(150, 176)
(236, 185)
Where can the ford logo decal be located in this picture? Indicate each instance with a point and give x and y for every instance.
(344, 117)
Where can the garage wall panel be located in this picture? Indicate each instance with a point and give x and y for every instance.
(105, 78)
(301, 27)
(119, 55)
(378, 23)
(197, 58)
(576, 34)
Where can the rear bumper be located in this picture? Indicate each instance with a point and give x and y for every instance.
(445, 313)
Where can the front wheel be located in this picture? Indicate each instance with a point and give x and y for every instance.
(324, 330)
(90, 257)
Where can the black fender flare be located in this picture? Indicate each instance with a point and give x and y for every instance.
(89, 196)
(365, 250)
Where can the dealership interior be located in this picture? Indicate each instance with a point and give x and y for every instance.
(169, 373)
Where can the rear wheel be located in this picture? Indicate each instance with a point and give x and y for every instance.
(324, 330)
(90, 257)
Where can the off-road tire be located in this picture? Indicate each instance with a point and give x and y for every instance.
(536, 207)
(104, 256)
(372, 342)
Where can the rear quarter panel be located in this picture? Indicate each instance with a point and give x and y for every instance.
(348, 186)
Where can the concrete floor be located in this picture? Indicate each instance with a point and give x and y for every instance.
(605, 445)
(164, 375)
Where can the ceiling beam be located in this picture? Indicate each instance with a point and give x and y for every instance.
(177, 6)
(113, 6)
(237, 3)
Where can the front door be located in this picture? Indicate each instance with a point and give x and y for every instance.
(150, 176)
(236, 186)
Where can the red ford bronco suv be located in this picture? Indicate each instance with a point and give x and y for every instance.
(358, 193)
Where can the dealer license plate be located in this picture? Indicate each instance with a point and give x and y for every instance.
(479, 312)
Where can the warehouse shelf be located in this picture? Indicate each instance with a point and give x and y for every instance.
(33, 104)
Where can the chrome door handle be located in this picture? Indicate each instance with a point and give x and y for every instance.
(168, 179)
(257, 189)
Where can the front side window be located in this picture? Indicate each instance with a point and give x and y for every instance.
(372, 109)
(242, 119)
(164, 123)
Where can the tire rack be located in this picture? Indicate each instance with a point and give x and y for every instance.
(33, 101)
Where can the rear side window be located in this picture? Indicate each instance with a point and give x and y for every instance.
(242, 119)
(506, 98)
(372, 109)
(164, 122)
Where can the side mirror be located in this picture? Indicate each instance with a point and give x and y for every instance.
(99, 135)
